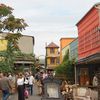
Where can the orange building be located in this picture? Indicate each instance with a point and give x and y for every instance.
(63, 43)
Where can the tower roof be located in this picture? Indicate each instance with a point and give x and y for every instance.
(52, 44)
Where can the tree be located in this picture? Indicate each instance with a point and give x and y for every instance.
(66, 68)
(8, 22)
(5, 11)
(12, 26)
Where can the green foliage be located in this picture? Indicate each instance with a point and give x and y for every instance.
(66, 68)
(4, 67)
(9, 54)
(5, 10)
(13, 25)
(8, 22)
(62, 68)
(33, 69)
(66, 57)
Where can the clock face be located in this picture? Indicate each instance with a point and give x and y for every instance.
(3, 45)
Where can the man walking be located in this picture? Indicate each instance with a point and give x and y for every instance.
(5, 86)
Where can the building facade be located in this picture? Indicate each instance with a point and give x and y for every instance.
(64, 51)
(73, 50)
(26, 46)
(52, 56)
(89, 45)
(63, 43)
(28, 41)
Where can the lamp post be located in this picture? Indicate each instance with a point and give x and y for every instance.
(44, 60)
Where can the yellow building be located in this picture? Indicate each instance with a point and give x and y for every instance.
(52, 56)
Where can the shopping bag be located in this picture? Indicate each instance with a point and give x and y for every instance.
(26, 93)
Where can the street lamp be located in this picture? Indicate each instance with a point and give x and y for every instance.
(42, 61)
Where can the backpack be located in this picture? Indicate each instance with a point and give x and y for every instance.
(26, 81)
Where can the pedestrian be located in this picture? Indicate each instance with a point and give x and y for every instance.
(26, 80)
(95, 80)
(40, 89)
(5, 86)
(20, 85)
(10, 76)
(31, 83)
(45, 75)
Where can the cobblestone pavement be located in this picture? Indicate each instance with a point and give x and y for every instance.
(33, 97)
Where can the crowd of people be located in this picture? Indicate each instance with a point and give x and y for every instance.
(23, 83)
(12, 83)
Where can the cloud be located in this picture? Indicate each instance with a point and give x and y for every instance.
(49, 20)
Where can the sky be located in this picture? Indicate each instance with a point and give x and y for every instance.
(50, 20)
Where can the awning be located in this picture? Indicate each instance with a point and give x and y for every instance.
(90, 59)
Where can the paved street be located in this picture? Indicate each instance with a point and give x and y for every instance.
(34, 97)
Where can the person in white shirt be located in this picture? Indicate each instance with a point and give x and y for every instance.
(31, 82)
(95, 80)
(20, 85)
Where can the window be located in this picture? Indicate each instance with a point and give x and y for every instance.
(52, 50)
(52, 61)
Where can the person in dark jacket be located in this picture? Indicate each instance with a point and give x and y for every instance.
(5, 86)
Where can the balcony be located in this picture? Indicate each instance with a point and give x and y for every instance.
(52, 66)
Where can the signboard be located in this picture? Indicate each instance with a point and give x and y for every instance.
(52, 90)
(3, 45)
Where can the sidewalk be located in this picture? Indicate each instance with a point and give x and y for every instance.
(33, 97)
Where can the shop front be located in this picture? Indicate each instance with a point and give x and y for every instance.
(86, 69)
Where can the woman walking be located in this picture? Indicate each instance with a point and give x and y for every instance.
(20, 85)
